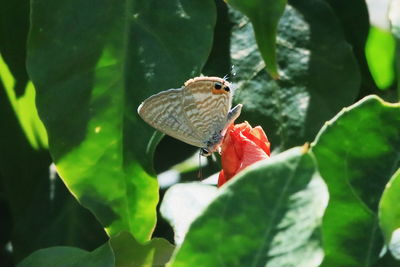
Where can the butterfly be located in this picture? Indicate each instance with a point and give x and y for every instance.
(198, 113)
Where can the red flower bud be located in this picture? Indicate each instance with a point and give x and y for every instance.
(241, 147)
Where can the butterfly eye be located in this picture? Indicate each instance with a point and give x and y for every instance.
(226, 88)
(217, 86)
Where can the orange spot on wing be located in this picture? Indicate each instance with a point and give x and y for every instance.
(218, 92)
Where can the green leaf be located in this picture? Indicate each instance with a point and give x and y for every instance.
(319, 74)
(182, 203)
(71, 257)
(264, 16)
(389, 214)
(380, 51)
(36, 197)
(269, 215)
(129, 253)
(92, 64)
(121, 250)
(357, 152)
(24, 107)
(14, 27)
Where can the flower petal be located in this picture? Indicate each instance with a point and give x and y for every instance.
(221, 178)
(259, 137)
(230, 160)
(251, 154)
(241, 147)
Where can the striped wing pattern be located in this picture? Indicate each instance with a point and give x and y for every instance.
(206, 112)
(195, 114)
(164, 111)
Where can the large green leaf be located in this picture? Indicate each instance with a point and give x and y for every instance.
(130, 253)
(70, 257)
(357, 152)
(319, 73)
(269, 215)
(36, 198)
(25, 109)
(14, 27)
(121, 250)
(389, 214)
(92, 63)
(264, 16)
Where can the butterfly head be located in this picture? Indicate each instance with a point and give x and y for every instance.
(218, 86)
(221, 87)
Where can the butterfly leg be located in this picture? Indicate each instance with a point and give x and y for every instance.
(233, 114)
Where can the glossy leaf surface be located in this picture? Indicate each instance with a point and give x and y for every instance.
(268, 216)
(130, 253)
(264, 16)
(389, 214)
(69, 256)
(92, 69)
(357, 158)
(319, 74)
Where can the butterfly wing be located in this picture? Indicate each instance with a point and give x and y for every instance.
(163, 111)
(205, 107)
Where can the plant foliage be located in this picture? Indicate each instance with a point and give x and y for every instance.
(79, 168)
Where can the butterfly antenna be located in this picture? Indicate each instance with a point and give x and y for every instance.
(232, 73)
